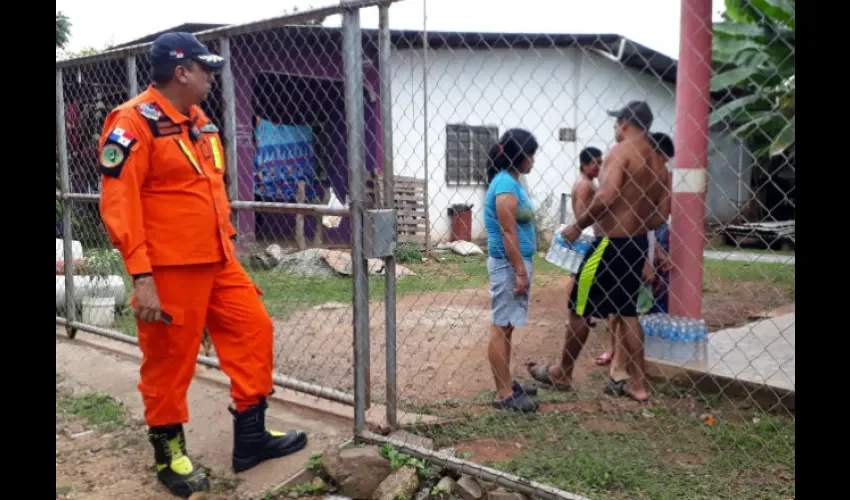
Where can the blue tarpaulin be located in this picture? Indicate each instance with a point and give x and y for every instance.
(284, 157)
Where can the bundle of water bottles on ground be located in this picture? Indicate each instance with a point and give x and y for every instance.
(674, 338)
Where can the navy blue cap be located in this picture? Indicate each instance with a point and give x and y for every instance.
(177, 46)
(637, 112)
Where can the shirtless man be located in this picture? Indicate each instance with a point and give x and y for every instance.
(590, 160)
(625, 208)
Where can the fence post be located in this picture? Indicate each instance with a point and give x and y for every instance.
(562, 209)
(352, 57)
(228, 95)
(693, 100)
(65, 188)
(425, 122)
(132, 76)
(384, 54)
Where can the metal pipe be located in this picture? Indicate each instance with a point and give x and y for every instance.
(515, 483)
(132, 76)
(65, 186)
(289, 208)
(228, 96)
(562, 209)
(254, 206)
(384, 54)
(621, 49)
(352, 53)
(687, 222)
(279, 380)
(294, 20)
(79, 196)
(425, 46)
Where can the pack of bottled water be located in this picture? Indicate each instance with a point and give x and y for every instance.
(566, 256)
(674, 338)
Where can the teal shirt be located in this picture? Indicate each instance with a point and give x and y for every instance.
(503, 183)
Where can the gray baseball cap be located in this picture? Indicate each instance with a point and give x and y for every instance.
(637, 112)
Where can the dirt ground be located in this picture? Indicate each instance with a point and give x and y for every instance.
(442, 338)
(99, 449)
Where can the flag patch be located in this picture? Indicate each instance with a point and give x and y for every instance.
(121, 137)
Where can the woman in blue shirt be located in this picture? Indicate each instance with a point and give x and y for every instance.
(511, 244)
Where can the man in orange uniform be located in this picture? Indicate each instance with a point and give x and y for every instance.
(164, 205)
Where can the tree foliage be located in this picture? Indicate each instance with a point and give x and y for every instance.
(63, 30)
(754, 50)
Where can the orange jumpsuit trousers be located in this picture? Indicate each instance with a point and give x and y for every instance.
(223, 298)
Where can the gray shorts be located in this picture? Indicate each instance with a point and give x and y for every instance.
(507, 309)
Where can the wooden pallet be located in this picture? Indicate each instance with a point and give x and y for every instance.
(409, 199)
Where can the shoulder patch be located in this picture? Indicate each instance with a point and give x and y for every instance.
(115, 151)
(158, 122)
(209, 128)
(149, 110)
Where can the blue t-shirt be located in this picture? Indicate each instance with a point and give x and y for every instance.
(503, 183)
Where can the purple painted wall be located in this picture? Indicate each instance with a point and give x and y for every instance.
(317, 66)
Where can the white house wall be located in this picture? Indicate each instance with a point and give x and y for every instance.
(542, 90)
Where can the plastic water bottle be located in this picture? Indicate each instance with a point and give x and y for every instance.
(646, 324)
(691, 334)
(702, 341)
(577, 251)
(654, 342)
(562, 254)
(664, 337)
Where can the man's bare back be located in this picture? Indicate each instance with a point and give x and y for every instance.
(640, 183)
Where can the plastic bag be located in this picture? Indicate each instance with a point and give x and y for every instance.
(645, 299)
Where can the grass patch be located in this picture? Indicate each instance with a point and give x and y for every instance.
(638, 455)
(728, 270)
(100, 411)
(451, 273)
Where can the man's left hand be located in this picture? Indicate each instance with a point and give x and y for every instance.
(571, 233)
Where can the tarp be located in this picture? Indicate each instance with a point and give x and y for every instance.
(284, 157)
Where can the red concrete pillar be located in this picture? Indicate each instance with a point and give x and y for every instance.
(693, 87)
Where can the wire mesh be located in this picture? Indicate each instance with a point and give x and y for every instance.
(714, 427)
(720, 413)
(289, 140)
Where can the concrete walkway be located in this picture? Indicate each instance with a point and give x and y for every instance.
(757, 357)
(750, 257)
(763, 352)
(99, 367)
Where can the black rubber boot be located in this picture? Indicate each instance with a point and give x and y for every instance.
(253, 444)
(174, 469)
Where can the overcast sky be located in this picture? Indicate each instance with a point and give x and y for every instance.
(654, 23)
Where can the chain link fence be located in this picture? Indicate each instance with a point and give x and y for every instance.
(317, 165)
(720, 416)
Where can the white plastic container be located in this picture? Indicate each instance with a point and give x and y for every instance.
(76, 250)
(98, 311)
(86, 286)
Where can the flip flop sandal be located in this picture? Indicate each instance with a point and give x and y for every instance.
(615, 388)
(540, 373)
(530, 390)
(627, 394)
(517, 402)
(604, 359)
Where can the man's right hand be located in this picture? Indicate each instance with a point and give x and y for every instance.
(147, 300)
